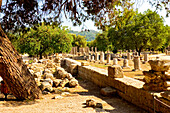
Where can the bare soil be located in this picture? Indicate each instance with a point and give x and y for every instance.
(74, 103)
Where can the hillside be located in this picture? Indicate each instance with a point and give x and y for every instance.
(90, 35)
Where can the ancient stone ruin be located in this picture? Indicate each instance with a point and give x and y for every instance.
(156, 79)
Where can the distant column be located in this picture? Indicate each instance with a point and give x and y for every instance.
(101, 57)
(108, 58)
(115, 62)
(136, 63)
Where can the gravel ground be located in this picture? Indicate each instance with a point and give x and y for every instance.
(74, 103)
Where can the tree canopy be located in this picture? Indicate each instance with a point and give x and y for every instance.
(44, 40)
(22, 13)
(142, 31)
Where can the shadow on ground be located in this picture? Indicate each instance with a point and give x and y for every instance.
(114, 104)
(11, 101)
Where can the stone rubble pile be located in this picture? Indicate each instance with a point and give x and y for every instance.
(156, 78)
(50, 77)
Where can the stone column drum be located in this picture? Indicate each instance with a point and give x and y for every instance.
(101, 57)
(136, 63)
(115, 62)
(128, 56)
(108, 58)
(145, 57)
(125, 63)
(96, 57)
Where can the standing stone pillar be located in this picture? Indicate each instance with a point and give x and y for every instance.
(145, 57)
(91, 49)
(95, 49)
(108, 58)
(101, 57)
(89, 57)
(136, 63)
(125, 64)
(96, 57)
(128, 56)
(75, 50)
(92, 58)
(115, 62)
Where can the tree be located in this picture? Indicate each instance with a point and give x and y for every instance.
(102, 42)
(143, 31)
(79, 41)
(45, 39)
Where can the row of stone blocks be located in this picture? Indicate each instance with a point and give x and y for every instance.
(128, 88)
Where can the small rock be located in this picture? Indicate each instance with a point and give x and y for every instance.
(65, 94)
(57, 97)
(90, 103)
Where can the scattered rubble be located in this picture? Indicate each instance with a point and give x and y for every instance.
(50, 77)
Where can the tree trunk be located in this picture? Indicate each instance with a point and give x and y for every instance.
(14, 72)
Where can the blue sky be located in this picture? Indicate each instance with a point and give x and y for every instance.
(90, 25)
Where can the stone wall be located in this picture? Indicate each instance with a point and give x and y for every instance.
(128, 88)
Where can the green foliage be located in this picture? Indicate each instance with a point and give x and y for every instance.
(44, 40)
(102, 42)
(79, 41)
(142, 31)
(89, 35)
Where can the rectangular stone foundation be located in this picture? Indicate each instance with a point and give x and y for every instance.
(128, 88)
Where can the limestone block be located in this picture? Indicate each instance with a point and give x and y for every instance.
(37, 75)
(69, 76)
(64, 82)
(48, 75)
(48, 80)
(84, 63)
(73, 82)
(108, 91)
(46, 85)
(74, 69)
(115, 71)
(159, 65)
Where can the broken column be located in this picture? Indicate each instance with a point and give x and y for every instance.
(96, 57)
(125, 63)
(108, 58)
(145, 57)
(115, 62)
(128, 56)
(101, 57)
(155, 79)
(136, 63)
(95, 49)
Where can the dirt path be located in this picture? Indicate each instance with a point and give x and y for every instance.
(70, 104)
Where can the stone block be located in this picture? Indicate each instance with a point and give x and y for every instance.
(84, 63)
(115, 71)
(108, 91)
(159, 65)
